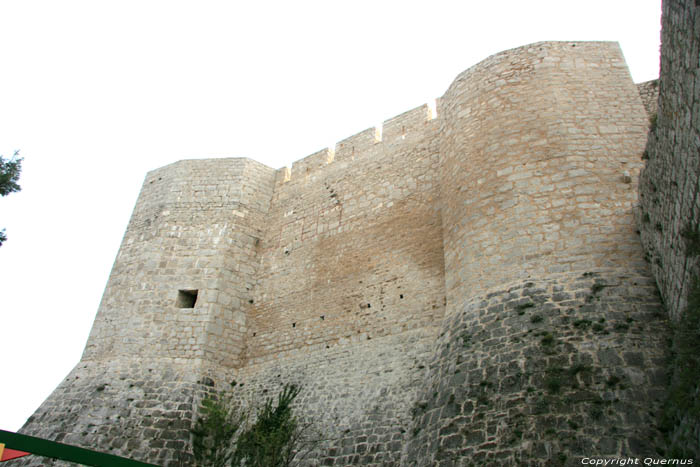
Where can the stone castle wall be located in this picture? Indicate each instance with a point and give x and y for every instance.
(426, 285)
(352, 292)
(196, 226)
(669, 211)
(552, 344)
(669, 200)
(353, 248)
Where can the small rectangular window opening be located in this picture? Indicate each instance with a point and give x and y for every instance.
(186, 298)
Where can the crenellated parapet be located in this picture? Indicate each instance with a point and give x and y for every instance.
(328, 237)
(411, 124)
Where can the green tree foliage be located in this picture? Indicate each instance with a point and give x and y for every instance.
(269, 442)
(275, 439)
(9, 176)
(214, 431)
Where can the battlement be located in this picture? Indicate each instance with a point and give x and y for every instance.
(501, 69)
(316, 161)
(357, 144)
(393, 131)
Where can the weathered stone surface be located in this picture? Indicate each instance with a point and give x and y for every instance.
(649, 92)
(669, 197)
(564, 383)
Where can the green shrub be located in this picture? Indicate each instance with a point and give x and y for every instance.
(275, 439)
(214, 431)
(547, 340)
(269, 441)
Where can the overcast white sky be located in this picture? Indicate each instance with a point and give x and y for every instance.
(97, 93)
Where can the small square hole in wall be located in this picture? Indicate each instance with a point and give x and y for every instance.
(186, 298)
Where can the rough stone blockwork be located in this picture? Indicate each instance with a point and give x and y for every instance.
(538, 189)
(126, 408)
(462, 290)
(669, 215)
(359, 396)
(194, 228)
(545, 372)
(649, 92)
(669, 186)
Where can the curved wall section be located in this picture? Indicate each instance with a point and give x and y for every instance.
(541, 147)
(552, 344)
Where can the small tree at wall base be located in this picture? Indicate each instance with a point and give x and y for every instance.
(276, 438)
(214, 431)
(9, 176)
(271, 440)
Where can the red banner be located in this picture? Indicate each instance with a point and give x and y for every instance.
(7, 454)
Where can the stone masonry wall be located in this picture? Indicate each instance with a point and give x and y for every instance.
(669, 185)
(127, 407)
(358, 395)
(353, 249)
(543, 268)
(352, 288)
(196, 226)
(541, 150)
(669, 217)
(545, 372)
(649, 92)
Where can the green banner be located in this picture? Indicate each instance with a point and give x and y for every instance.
(65, 452)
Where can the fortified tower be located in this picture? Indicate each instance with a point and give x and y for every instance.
(468, 287)
(171, 311)
(552, 322)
